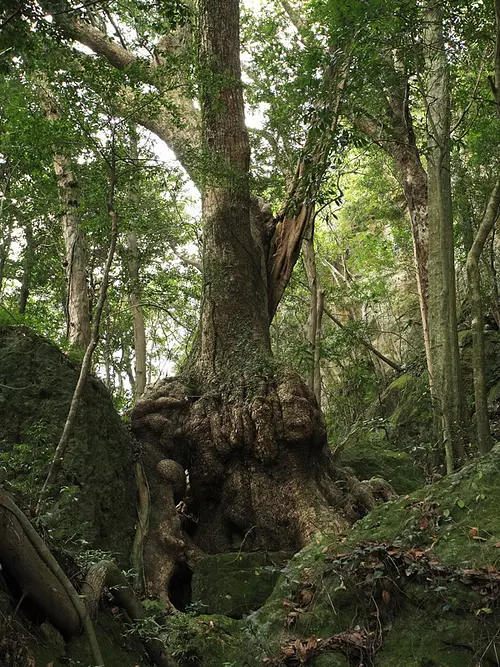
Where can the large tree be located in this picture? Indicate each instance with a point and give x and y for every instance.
(251, 434)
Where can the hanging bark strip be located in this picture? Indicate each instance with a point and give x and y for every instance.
(87, 359)
(298, 211)
(39, 574)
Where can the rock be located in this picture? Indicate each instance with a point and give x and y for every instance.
(95, 508)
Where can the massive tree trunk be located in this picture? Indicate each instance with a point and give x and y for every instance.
(446, 375)
(251, 436)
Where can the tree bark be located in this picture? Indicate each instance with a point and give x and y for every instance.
(446, 374)
(234, 318)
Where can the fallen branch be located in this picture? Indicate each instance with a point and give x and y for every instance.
(365, 343)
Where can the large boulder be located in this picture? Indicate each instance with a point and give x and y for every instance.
(94, 507)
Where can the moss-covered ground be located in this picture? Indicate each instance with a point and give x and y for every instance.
(415, 584)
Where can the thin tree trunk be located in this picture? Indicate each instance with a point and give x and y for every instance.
(78, 307)
(320, 306)
(137, 314)
(6, 204)
(446, 374)
(478, 356)
(87, 358)
(400, 144)
(28, 263)
(312, 320)
(473, 258)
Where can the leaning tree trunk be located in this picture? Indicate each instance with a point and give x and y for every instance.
(446, 375)
(252, 438)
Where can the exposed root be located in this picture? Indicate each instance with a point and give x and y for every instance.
(261, 474)
(39, 575)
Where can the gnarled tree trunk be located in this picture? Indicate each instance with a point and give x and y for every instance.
(251, 436)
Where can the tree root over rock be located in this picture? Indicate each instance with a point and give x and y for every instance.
(39, 575)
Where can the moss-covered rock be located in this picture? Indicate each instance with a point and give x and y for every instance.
(234, 584)
(414, 584)
(95, 507)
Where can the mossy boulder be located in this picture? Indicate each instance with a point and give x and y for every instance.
(415, 583)
(235, 584)
(94, 507)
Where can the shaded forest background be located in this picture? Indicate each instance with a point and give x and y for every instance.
(341, 246)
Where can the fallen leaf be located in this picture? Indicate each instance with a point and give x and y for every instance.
(386, 596)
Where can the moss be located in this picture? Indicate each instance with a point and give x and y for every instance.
(420, 640)
(234, 584)
(96, 505)
(330, 660)
(457, 515)
(372, 456)
(211, 641)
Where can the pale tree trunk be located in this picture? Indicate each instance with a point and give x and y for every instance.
(78, 330)
(137, 314)
(6, 213)
(316, 303)
(446, 375)
(78, 307)
(486, 226)
(320, 307)
(135, 287)
(28, 263)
